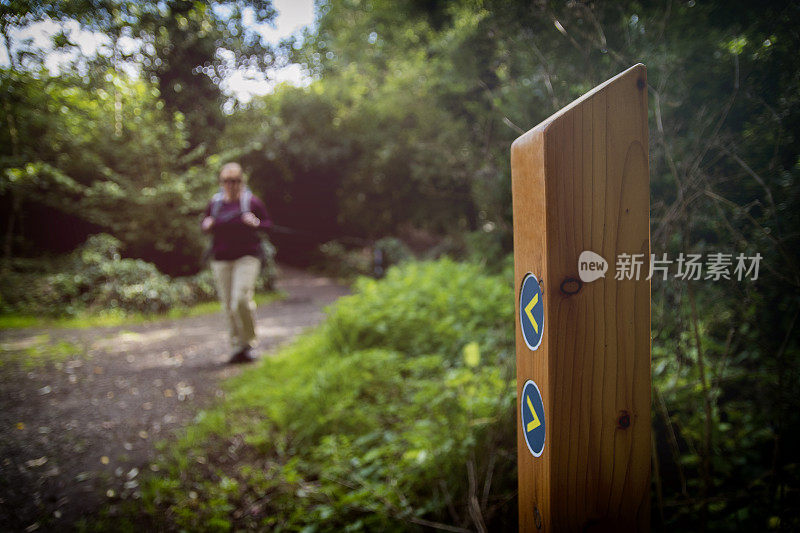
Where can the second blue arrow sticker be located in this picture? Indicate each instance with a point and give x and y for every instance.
(533, 418)
(531, 311)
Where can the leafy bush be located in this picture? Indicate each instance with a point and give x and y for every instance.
(393, 415)
(96, 277)
(339, 262)
(425, 308)
(393, 252)
(343, 263)
(485, 246)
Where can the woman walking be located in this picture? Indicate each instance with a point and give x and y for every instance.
(234, 217)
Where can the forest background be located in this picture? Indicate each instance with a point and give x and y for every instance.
(401, 137)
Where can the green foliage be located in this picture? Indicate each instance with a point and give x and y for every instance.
(396, 312)
(192, 46)
(186, 47)
(297, 155)
(715, 425)
(106, 153)
(343, 263)
(96, 277)
(722, 88)
(393, 251)
(405, 127)
(360, 426)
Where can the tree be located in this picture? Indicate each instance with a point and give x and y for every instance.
(120, 144)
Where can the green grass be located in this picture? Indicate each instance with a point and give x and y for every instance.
(370, 422)
(37, 352)
(110, 318)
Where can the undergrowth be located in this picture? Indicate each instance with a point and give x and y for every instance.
(396, 414)
(95, 280)
(38, 351)
(87, 318)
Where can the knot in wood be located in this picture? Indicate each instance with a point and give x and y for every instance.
(571, 286)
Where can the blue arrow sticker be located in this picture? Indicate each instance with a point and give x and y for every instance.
(531, 311)
(533, 418)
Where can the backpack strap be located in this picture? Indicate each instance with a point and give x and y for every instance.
(216, 203)
(219, 197)
(244, 200)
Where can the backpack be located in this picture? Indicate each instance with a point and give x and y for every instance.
(244, 207)
(244, 201)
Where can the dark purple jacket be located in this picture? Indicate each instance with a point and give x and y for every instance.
(232, 237)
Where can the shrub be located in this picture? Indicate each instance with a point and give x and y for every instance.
(343, 263)
(337, 261)
(434, 307)
(97, 277)
(393, 414)
(392, 252)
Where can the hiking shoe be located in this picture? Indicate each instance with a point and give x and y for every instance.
(242, 356)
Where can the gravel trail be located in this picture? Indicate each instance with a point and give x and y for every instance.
(80, 432)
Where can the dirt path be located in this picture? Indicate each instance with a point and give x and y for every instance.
(78, 433)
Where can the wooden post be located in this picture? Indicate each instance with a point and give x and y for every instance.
(581, 182)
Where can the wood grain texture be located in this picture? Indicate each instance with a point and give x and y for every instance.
(580, 181)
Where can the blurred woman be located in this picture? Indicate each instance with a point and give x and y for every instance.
(234, 217)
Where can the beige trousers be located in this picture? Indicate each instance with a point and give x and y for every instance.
(236, 282)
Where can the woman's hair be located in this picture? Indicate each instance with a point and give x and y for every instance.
(235, 167)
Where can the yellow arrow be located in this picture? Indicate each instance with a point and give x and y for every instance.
(528, 309)
(533, 424)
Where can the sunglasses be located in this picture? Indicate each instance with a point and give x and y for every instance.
(231, 181)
